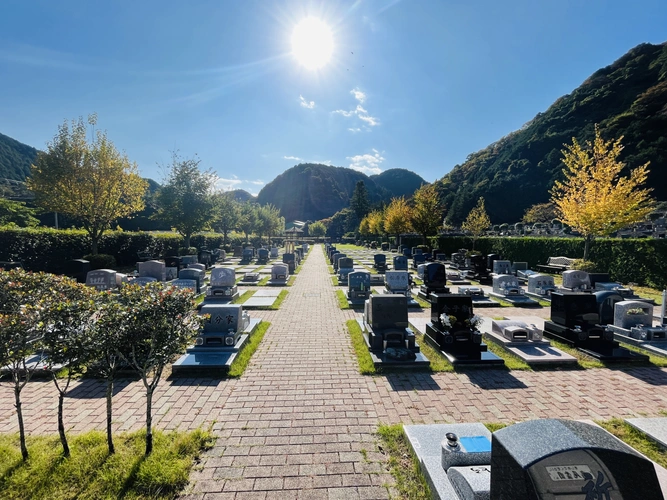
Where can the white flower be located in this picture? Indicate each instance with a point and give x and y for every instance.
(444, 319)
(475, 321)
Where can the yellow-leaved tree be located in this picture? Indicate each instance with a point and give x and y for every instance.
(477, 221)
(427, 211)
(91, 182)
(376, 222)
(594, 199)
(397, 218)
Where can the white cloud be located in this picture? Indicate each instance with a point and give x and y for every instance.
(301, 160)
(360, 112)
(223, 184)
(306, 104)
(295, 158)
(368, 164)
(358, 94)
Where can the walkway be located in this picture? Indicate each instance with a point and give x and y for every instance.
(300, 422)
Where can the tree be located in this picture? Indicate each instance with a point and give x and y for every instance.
(268, 220)
(66, 323)
(542, 212)
(376, 222)
(185, 201)
(91, 182)
(16, 213)
(21, 349)
(397, 218)
(159, 324)
(477, 221)
(427, 213)
(248, 219)
(593, 199)
(317, 229)
(227, 214)
(359, 202)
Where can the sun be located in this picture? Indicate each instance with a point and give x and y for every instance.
(312, 43)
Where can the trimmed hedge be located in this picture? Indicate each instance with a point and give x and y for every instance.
(641, 261)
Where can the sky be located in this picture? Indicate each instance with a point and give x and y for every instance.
(414, 84)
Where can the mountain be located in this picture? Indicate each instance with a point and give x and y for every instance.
(311, 191)
(627, 98)
(15, 158)
(398, 181)
(240, 195)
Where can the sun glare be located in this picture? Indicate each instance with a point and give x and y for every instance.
(312, 43)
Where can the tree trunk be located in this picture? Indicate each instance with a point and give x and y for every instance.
(93, 245)
(149, 421)
(224, 238)
(19, 414)
(587, 245)
(187, 240)
(110, 445)
(61, 424)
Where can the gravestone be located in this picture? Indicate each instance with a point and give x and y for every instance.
(418, 259)
(337, 257)
(397, 282)
(199, 267)
(205, 258)
(192, 274)
(490, 258)
(416, 251)
(222, 256)
(187, 260)
(274, 252)
(359, 286)
(385, 247)
(143, 280)
(435, 280)
(172, 267)
(262, 256)
(633, 319)
(502, 267)
(222, 285)
(102, 279)
(541, 285)
(400, 263)
(506, 285)
(152, 269)
(184, 283)
(518, 267)
(541, 459)
(420, 271)
(238, 251)
(575, 321)
(345, 267)
(454, 330)
(248, 255)
(380, 262)
(406, 252)
(577, 281)
(458, 259)
(77, 269)
(480, 271)
(290, 260)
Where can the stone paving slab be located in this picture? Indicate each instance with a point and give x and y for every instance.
(255, 301)
(655, 428)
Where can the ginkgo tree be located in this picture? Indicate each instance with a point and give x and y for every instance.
(397, 218)
(593, 198)
(477, 221)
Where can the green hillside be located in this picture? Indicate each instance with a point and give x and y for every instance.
(398, 181)
(627, 98)
(312, 191)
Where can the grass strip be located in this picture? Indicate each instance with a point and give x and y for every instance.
(438, 362)
(366, 365)
(334, 280)
(636, 439)
(276, 305)
(512, 361)
(403, 464)
(342, 300)
(91, 472)
(242, 359)
(264, 280)
(243, 297)
(291, 280)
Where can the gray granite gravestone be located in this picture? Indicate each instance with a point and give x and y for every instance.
(152, 269)
(143, 280)
(359, 287)
(102, 279)
(578, 281)
(502, 267)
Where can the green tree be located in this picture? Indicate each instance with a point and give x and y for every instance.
(317, 229)
(159, 324)
(186, 200)
(248, 219)
(477, 221)
(593, 198)
(91, 182)
(15, 212)
(66, 324)
(268, 220)
(427, 213)
(227, 214)
(542, 212)
(359, 202)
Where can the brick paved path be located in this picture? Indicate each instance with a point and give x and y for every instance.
(300, 422)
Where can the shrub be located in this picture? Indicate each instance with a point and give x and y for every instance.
(584, 265)
(187, 251)
(101, 261)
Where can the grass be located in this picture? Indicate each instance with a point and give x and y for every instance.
(403, 464)
(242, 359)
(91, 472)
(438, 362)
(366, 365)
(422, 303)
(264, 280)
(636, 439)
(512, 361)
(291, 280)
(494, 426)
(342, 300)
(334, 280)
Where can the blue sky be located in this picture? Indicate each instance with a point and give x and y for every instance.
(411, 84)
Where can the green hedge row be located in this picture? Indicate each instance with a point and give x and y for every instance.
(641, 261)
(44, 249)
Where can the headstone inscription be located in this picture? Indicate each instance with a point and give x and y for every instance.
(577, 281)
(102, 279)
(359, 286)
(192, 274)
(454, 330)
(397, 282)
(184, 283)
(541, 285)
(502, 267)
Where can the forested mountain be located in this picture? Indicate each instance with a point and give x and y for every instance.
(398, 181)
(312, 191)
(15, 158)
(627, 98)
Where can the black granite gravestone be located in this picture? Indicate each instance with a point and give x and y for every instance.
(435, 280)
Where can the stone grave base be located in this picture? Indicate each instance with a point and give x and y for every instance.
(608, 351)
(538, 297)
(354, 302)
(220, 299)
(657, 347)
(459, 282)
(214, 361)
(380, 360)
(654, 428)
(425, 441)
(262, 298)
(516, 301)
(277, 282)
(411, 301)
(532, 352)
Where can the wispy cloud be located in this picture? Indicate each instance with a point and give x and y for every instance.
(301, 160)
(257, 183)
(295, 158)
(306, 104)
(360, 112)
(369, 164)
(223, 184)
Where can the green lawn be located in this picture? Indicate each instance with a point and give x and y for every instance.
(92, 473)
